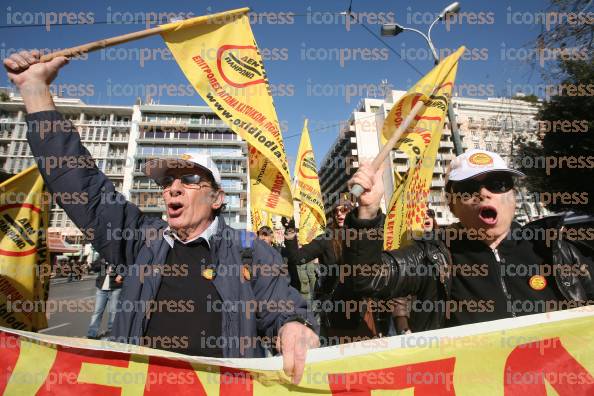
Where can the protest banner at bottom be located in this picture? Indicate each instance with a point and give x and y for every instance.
(544, 354)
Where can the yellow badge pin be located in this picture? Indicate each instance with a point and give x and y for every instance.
(247, 275)
(208, 273)
(537, 282)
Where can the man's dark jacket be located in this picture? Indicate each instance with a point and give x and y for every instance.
(391, 270)
(67, 168)
(102, 267)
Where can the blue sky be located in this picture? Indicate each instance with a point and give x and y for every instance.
(301, 60)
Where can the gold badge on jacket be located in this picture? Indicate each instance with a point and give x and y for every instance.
(247, 275)
(208, 273)
(537, 282)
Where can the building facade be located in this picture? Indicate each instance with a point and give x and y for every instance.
(104, 131)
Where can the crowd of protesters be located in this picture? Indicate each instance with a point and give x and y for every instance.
(414, 288)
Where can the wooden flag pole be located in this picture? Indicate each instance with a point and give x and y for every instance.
(124, 38)
(357, 189)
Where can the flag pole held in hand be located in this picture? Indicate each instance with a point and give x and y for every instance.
(124, 38)
(357, 189)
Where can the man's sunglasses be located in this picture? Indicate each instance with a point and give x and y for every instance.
(189, 179)
(498, 184)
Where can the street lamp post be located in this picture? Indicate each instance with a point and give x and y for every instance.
(393, 29)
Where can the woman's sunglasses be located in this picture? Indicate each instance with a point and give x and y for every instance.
(343, 209)
(496, 183)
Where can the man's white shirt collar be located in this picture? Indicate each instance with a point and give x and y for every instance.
(170, 235)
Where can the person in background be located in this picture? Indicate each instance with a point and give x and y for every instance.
(265, 234)
(278, 237)
(71, 269)
(109, 286)
(429, 222)
(330, 293)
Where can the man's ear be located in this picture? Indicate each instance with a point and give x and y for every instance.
(218, 199)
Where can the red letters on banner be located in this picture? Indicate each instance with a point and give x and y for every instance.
(9, 354)
(434, 378)
(63, 376)
(174, 377)
(528, 366)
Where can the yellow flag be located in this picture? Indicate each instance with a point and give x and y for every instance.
(312, 218)
(219, 56)
(270, 221)
(24, 257)
(258, 220)
(420, 142)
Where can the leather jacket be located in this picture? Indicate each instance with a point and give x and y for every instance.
(390, 270)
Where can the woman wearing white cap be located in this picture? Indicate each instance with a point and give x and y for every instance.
(486, 267)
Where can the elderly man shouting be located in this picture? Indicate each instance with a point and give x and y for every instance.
(185, 288)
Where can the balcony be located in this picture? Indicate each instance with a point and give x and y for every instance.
(437, 183)
(190, 141)
(121, 124)
(207, 122)
(201, 122)
(493, 125)
(114, 171)
(105, 123)
(119, 139)
(9, 120)
(116, 155)
(401, 168)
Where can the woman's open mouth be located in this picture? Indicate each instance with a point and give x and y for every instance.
(488, 215)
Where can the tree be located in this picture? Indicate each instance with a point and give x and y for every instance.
(527, 98)
(561, 168)
(568, 31)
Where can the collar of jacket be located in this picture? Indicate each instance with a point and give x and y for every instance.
(170, 235)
